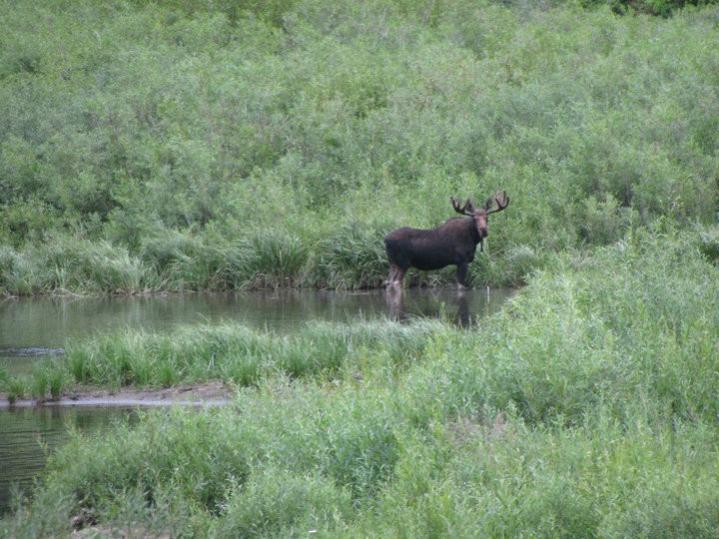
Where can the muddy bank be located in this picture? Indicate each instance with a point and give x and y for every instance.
(213, 393)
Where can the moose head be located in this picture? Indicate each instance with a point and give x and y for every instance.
(479, 215)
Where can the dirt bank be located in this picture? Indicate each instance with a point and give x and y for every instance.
(213, 393)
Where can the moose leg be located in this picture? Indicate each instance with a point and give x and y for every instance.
(462, 275)
(399, 276)
(392, 275)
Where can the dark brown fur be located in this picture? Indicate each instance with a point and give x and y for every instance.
(453, 243)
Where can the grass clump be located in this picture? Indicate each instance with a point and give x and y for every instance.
(353, 257)
(14, 387)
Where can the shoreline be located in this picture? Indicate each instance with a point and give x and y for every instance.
(205, 394)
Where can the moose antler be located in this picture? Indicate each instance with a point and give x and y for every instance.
(502, 200)
(467, 209)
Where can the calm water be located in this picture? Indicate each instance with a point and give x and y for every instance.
(36, 328)
(29, 435)
(33, 329)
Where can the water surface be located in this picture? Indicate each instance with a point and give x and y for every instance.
(39, 327)
(29, 435)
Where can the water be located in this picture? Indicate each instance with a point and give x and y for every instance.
(34, 329)
(29, 435)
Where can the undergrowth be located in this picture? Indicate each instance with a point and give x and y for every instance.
(187, 145)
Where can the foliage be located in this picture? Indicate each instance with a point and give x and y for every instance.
(585, 408)
(186, 144)
(210, 145)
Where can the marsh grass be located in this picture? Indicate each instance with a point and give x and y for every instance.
(14, 387)
(234, 353)
(278, 260)
(353, 257)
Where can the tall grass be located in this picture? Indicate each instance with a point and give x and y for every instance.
(240, 354)
(584, 408)
(632, 328)
(230, 352)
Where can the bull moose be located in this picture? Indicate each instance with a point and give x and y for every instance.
(453, 243)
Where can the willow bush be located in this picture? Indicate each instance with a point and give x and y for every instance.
(306, 130)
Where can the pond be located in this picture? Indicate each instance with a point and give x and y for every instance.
(32, 329)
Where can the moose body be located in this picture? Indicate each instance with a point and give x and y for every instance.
(453, 243)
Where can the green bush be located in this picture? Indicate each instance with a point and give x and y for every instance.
(274, 145)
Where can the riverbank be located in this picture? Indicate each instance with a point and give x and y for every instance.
(214, 393)
(171, 146)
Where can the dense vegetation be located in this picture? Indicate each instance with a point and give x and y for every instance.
(185, 144)
(586, 408)
(189, 145)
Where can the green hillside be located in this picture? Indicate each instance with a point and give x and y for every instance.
(196, 145)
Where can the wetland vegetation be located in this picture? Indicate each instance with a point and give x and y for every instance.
(188, 145)
(177, 145)
(586, 407)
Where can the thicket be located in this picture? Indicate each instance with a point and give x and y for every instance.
(188, 145)
(586, 408)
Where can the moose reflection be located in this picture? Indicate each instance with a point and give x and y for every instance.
(453, 243)
(462, 317)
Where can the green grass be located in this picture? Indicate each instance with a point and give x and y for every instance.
(183, 145)
(239, 354)
(230, 352)
(586, 407)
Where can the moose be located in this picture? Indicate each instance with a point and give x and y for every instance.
(453, 243)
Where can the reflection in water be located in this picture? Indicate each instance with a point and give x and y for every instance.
(463, 307)
(395, 304)
(463, 316)
(28, 435)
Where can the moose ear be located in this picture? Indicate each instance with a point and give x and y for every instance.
(489, 203)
